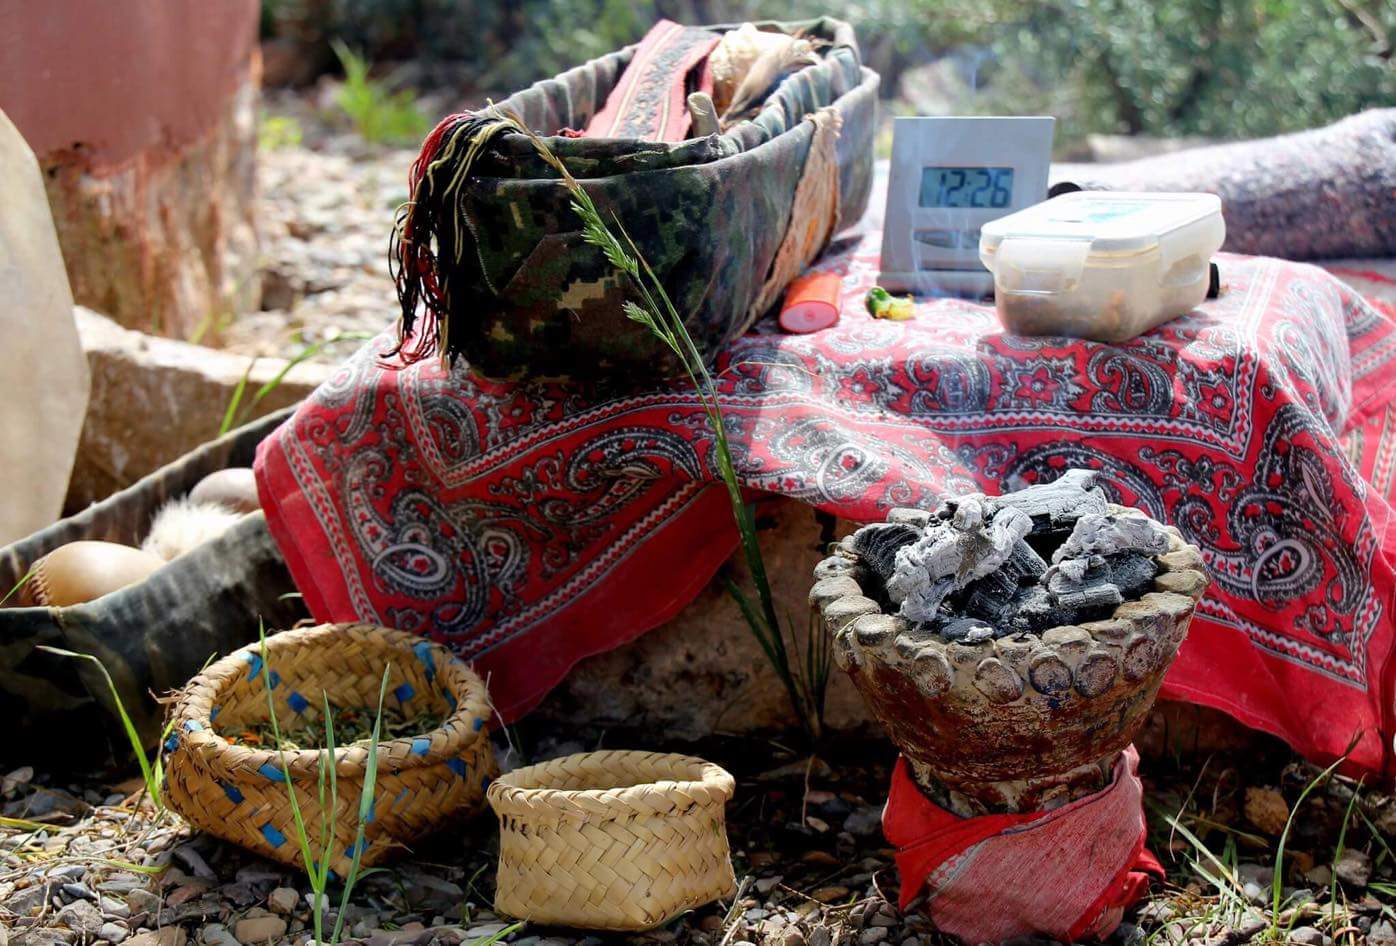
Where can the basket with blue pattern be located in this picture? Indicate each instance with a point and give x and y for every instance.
(240, 792)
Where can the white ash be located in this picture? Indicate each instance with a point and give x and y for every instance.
(952, 554)
(1100, 534)
(1072, 495)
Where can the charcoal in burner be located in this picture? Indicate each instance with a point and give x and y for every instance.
(991, 598)
(877, 545)
(1132, 572)
(1037, 610)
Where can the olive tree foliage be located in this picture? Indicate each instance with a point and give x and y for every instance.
(1216, 68)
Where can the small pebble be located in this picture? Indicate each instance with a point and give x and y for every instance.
(830, 894)
(143, 901)
(283, 900)
(873, 935)
(194, 861)
(819, 936)
(1320, 876)
(81, 917)
(864, 822)
(767, 884)
(1354, 868)
(1308, 936)
(167, 936)
(113, 932)
(77, 892)
(259, 929)
(216, 934)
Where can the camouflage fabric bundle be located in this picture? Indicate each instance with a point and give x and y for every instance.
(489, 256)
(151, 636)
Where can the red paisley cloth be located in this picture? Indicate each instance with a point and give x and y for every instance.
(1068, 874)
(528, 525)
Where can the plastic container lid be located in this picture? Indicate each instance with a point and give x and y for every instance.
(1114, 222)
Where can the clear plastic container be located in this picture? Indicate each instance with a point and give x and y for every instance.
(1102, 265)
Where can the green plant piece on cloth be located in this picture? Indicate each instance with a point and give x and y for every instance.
(881, 304)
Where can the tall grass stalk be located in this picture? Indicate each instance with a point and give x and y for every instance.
(235, 410)
(656, 313)
(317, 870)
(24, 580)
(1338, 855)
(1277, 884)
(152, 772)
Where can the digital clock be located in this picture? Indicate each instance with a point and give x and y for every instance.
(966, 187)
(949, 177)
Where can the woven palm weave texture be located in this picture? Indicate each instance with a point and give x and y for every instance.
(239, 793)
(612, 840)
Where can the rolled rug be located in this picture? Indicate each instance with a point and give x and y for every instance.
(1325, 193)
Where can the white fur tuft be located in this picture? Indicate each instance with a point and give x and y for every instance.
(181, 525)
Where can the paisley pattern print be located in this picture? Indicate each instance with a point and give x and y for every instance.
(528, 525)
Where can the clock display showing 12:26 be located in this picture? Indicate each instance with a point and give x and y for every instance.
(966, 187)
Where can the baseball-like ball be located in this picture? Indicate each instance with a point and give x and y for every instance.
(84, 571)
(234, 487)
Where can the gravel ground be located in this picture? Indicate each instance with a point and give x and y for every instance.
(87, 862)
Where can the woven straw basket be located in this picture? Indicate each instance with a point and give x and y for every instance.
(239, 792)
(612, 840)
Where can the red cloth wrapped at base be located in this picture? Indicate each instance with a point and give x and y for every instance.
(1068, 873)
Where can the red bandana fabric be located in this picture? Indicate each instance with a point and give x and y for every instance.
(1067, 874)
(528, 525)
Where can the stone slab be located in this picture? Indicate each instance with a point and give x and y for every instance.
(155, 399)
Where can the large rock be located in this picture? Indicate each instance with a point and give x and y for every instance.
(155, 399)
(44, 373)
(148, 151)
(703, 672)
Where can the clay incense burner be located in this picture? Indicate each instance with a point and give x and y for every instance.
(1011, 645)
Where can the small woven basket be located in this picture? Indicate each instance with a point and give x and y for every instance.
(612, 840)
(239, 792)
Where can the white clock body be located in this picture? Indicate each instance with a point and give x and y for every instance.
(949, 177)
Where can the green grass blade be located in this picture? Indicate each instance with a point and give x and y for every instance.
(302, 837)
(132, 734)
(306, 353)
(1338, 855)
(230, 415)
(365, 809)
(1277, 884)
(496, 937)
(18, 585)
